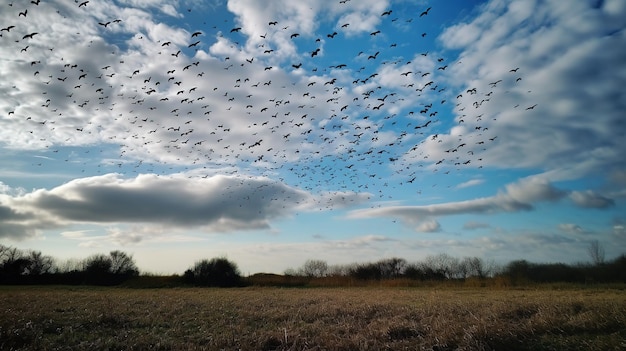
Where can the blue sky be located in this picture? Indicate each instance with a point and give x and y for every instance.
(181, 130)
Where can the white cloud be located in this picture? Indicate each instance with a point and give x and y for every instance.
(470, 183)
(519, 196)
(212, 204)
(542, 58)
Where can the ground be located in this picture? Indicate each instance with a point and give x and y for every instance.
(364, 318)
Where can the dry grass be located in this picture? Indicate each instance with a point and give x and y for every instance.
(63, 318)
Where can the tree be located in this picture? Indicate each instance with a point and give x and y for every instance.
(518, 271)
(13, 264)
(97, 270)
(443, 264)
(315, 268)
(475, 267)
(596, 252)
(392, 267)
(218, 272)
(123, 264)
(38, 264)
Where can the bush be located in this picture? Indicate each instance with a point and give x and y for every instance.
(218, 272)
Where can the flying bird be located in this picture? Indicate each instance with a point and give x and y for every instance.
(373, 56)
(84, 3)
(236, 29)
(195, 34)
(425, 12)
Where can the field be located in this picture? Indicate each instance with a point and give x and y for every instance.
(367, 318)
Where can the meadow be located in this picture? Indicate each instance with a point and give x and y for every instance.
(270, 318)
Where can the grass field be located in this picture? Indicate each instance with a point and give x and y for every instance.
(86, 318)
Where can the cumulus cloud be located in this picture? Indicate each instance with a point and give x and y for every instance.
(212, 204)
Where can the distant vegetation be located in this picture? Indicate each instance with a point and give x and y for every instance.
(33, 267)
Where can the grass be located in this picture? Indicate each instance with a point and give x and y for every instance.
(364, 318)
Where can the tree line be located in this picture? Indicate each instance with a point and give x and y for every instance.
(33, 267)
(444, 267)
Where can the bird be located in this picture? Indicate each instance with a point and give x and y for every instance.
(8, 29)
(236, 29)
(373, 56)
(424, 125)
(84, 3)
(24, 13)
(195, 34)
(386, 13)
(29, 36)
(425, 12)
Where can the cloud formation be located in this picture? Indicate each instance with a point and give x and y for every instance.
(213, 204)
(519, 196)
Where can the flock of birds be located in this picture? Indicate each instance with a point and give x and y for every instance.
(300, 121)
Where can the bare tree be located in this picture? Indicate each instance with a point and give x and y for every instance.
(443, 264)
(315, 268)
(475, 267)
(123, 264)
(596, 252)
(39, 264)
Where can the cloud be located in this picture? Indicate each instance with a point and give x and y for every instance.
(532, 64)
(519, 196)
(571, 228)
(428, 226)
(472, 225)
(470, 183)
(212, 204)
(591, 199)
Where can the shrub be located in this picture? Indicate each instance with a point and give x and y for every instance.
(218, 272)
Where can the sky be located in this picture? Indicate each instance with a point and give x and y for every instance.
(272, 132)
